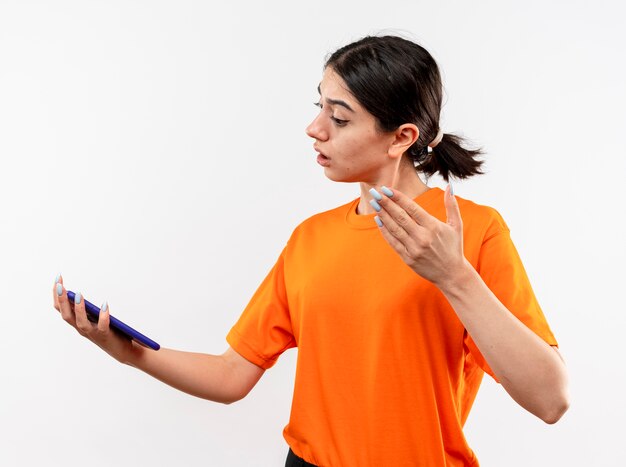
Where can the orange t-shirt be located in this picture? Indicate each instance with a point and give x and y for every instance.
(386, 373)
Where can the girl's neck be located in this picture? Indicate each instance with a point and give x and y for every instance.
(405, 179)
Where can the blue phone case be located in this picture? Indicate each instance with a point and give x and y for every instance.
(93, 312)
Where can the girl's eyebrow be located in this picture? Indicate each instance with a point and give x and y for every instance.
(335, 101)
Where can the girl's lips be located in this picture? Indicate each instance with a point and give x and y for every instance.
(323, 160)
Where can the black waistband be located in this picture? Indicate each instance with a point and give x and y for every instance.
(295, 461)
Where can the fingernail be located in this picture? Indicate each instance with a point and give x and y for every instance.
(104, 307)
(77, 298)
(375, 205)
(59, 289)
(377, 196)
(378, 221)
(451, 188)
(57, 278)
(386, 190)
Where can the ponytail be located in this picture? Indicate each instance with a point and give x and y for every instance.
(448, 157)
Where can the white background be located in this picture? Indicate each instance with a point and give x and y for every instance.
(154, 153)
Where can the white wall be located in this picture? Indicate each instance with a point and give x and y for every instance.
(154, 153)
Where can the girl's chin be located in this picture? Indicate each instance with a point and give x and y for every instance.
(337, 176)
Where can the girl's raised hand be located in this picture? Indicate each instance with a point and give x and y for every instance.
(433, 249)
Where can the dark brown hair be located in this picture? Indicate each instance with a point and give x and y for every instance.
(398, 81)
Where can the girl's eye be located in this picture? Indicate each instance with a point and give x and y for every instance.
(339, 122)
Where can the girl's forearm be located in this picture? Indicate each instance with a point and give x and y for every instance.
(212, 377)
(530, 370)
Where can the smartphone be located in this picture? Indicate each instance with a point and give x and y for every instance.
(93, 312)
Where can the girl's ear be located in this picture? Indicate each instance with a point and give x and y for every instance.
(404, 137)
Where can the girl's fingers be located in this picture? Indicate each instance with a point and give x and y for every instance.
(401, 219)
(83, 325)
(64, 304)
(392, 240)
(452, 210)
(103, 319)
(75, 312)
(393, 229)
(55, 296)
(97, 331)
(406, 206)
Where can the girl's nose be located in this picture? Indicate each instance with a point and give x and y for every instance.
(316, 131)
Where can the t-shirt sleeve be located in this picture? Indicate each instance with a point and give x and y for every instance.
(501, 268)
(264, 331)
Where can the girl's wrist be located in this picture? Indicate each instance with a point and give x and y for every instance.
(135, 355)
(458, 280)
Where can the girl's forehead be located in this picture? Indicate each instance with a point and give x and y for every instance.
(332, 82)
(334, 87)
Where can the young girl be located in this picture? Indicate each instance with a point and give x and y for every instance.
(397, 301)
